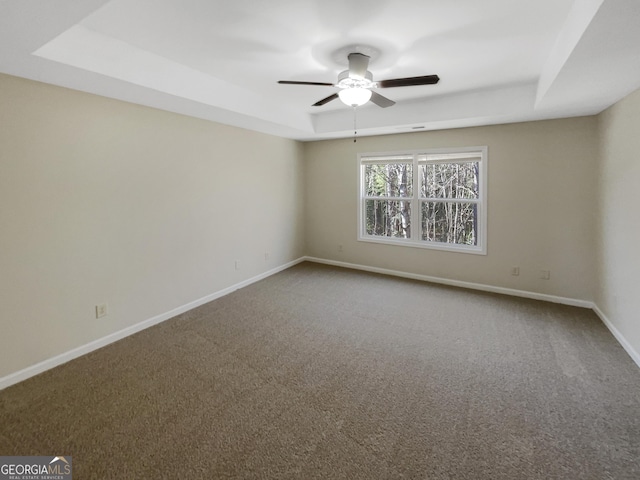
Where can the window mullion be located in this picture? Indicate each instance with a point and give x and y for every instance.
(452, 200)
(416, 225)
(391, 199)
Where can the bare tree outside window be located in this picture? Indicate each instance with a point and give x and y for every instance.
(389, 190)
(445, 218)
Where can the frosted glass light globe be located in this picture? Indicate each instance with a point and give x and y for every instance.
(354, 97)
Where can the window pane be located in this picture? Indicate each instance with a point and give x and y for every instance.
(450, 222)
(388, 218)
(449, 180)
(388, 180)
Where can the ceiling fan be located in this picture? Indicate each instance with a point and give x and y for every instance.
(356, 84)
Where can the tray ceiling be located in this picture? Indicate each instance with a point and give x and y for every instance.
(499, 61)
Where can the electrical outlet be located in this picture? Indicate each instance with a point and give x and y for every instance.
(339, 248)
(101, 310)
(515, 271)
(545, 274)
(266, 256)
(237, 264)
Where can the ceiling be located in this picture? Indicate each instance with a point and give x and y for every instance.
(499, 61)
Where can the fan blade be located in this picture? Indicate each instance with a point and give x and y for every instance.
(319, 103)
(358, 64)
(409, 81)
(291, 82)
(381, 101)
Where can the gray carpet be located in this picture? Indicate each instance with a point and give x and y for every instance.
(321, 372)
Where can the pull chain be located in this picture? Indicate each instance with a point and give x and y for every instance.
(355, 131)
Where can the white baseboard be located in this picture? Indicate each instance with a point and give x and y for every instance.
(45, 365)
(457, 283)
(618, 336)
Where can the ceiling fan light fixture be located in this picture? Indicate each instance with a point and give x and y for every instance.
(354, 97)
(356, 84)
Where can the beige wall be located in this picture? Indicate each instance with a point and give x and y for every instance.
(541, 206)
(104, 201)
(618, 295)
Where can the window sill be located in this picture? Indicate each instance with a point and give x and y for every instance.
(427, 245)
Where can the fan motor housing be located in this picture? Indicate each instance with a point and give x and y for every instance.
(347, 81)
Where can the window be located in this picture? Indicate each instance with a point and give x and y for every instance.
(425, 198)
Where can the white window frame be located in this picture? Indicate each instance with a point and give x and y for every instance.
(415, 241)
